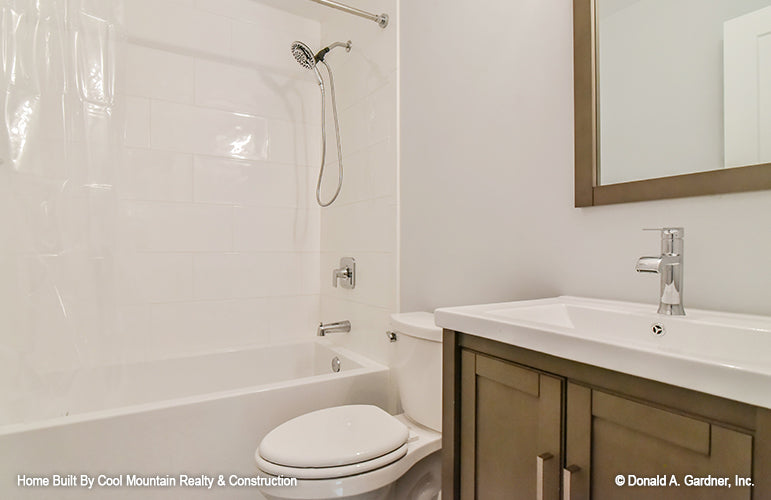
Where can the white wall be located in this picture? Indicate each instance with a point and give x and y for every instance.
(362, 223)
(486, 187)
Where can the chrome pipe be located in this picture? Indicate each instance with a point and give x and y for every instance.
(380, 19)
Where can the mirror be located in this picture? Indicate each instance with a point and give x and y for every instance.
(672, 98)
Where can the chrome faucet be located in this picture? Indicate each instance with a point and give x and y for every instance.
(670, 267)
(338, 327)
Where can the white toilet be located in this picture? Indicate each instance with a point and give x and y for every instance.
(360, 451)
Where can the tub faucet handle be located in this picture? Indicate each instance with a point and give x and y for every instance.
(346, 272)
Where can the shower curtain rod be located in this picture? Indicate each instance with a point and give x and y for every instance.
(380, 19)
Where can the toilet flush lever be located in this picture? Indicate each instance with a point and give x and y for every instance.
(345, 274)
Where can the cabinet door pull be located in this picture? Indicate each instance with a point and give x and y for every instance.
(567, 475)
(539, 484)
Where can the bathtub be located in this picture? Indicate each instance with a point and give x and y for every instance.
(150, 423)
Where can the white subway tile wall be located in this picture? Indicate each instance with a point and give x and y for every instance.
(168, 206)
(219, 238)
(363, 222)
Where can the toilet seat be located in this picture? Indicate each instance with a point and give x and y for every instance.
(330, 472)
(333, 442)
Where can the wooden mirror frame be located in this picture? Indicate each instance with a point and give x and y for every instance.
(588, 191)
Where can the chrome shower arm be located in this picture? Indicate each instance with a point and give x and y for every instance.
(319, 57)
(347, 45)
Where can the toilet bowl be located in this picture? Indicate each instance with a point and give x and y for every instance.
(360, 451)
(372, 478)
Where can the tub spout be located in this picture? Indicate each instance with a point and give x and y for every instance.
(338, 327)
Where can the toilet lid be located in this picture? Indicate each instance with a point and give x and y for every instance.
(330, 472)
(333, 437)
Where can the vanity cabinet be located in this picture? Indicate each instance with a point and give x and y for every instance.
(526, 425)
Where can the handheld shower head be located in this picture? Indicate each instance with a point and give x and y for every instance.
(303, 55)
(305, 58)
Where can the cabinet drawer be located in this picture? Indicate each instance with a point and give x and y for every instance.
(664, 425)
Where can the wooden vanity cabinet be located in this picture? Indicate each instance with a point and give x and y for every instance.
(519, 424)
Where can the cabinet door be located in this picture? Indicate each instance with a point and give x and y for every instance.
(510, 430)
(612, 439)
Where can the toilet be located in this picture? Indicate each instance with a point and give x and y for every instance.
(360, 451)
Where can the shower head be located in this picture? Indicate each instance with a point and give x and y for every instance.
(303, 55)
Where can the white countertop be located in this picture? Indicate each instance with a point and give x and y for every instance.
(723, 354)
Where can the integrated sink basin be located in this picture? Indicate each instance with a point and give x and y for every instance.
(727, 355)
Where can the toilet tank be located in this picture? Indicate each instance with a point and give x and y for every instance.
(418, 367)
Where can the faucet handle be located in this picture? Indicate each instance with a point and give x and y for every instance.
(346, 272)
(668, 233)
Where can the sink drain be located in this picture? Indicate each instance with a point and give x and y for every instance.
(658, 329)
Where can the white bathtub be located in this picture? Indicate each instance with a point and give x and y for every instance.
(196, 416)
